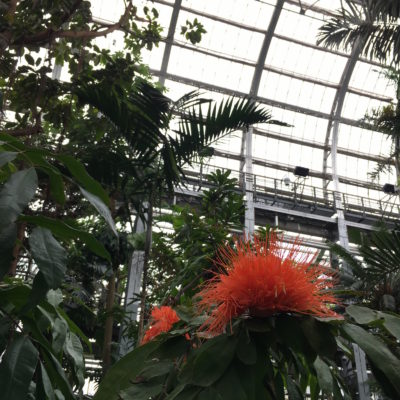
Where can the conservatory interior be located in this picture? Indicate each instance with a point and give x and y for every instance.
(199, 199)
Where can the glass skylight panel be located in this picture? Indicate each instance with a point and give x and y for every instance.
(355, 106)
(371, 78)
(153, 58)
(292, 23)
(296, 91)
(226, 74)
(225, 38)
(252, 13)
(305, 60)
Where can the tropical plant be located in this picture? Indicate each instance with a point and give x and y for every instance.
(386, 120)
(373, 23)
(242, 348)
(376, 273)
(184, 257)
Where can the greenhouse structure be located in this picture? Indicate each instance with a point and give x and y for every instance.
(199, 199)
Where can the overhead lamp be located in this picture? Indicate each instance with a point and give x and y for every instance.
(388, 188)
(301, 171)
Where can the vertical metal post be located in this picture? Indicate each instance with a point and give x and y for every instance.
(249, 213)
(132, 291)
(359, 355)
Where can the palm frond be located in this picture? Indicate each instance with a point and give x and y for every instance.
(376, 24)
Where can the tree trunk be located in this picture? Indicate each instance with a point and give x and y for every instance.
(108, 328)
(146, 256)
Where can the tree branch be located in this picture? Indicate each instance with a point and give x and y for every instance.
(93, 34)
(29, 130)
(50, 34)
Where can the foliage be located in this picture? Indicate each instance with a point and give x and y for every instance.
(256, 359)
(184, 257)
(376, 278)
(373, 24)
(41, 343)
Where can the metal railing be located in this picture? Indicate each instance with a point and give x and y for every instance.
(297, 194)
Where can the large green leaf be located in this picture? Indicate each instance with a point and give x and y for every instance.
(229, 386)
(8, 236)
(17, 367)
(377, 352)
(104, 211)
(209, 363)
(141, 391)
(324, 375)
(366, 316)
(44, 387)
(6, 157)
(78, 171)
(16, 194)
(73, 349)
(67, 232)
(59, 333)
(49, 256)
(362, 315)
(122, 372)
(57, 374)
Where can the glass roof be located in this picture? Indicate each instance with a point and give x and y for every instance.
(298, 84)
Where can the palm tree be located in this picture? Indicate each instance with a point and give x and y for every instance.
(374, 21)
(163, 136)
(376, 278)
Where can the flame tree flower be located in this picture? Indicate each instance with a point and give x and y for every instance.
(162, 319)
(265, 278)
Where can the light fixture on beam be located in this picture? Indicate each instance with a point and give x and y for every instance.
(301, 171)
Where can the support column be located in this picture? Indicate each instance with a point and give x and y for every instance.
(249, 184)
(132, 291)
(359, 355)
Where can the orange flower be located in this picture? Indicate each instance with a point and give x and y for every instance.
(162, 319)
(266, 278)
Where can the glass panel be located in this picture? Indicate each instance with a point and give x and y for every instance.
(209, 69)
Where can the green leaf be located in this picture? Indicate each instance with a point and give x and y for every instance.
(362, 315)
(209, 363)
(246, 350)
(45, 384)
(73, 349)
(119, 376)
(293, 390)
(66, 232)
(104, 211)
(16, 194)
(57, 374)
(366, 316)
(79, 172)
(17, 367)
(319, 337)
(229, 386)
(6, 157)
(73, 327)
(59, 333)
(182, 392)
(8, 236)
(141, 391)
(209, 394)
(49, 256)
(391, 324)
(324, 375)
(377, 352)
(156, 368)
(57, 187)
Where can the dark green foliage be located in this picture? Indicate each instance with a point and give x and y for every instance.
(185, 256)
(251, 364)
